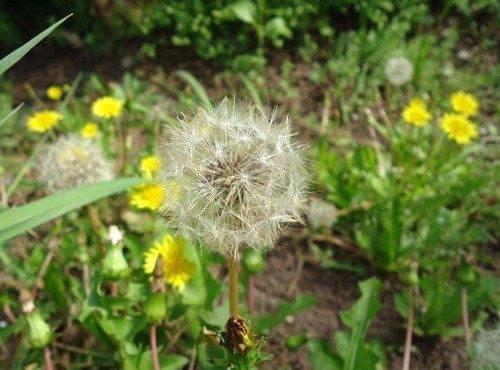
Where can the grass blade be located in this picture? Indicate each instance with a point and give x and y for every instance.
(18, 220)
(197, 87)
(11, 114)
(252, 90)
(16, 55)
(71, 92)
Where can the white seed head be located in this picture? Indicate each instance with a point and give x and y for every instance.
(486, 350)
(72, 161)
(399, 70)
(321, 214)
(239, 177)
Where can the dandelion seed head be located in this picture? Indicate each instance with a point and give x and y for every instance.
(239, 174)
(399, 70)
(70, 162)
(486, 349)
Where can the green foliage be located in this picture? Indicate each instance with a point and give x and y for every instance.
(440, 305)
(417, 206)
(265, 323)
(234, 32)
(352, 352)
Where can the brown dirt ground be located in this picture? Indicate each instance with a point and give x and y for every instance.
(336, 291)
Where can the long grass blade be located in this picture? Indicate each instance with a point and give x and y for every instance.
(11, 114)
(18, 220)
(198, 89)
(12, 58)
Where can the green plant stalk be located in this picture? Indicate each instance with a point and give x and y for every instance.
(233, 266)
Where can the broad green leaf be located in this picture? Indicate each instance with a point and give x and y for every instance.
(197, 87)
(301, 303)
(169, 361)
(18, 220)
(244, 10)
(16, 55)
(277, 27)
(359, 318)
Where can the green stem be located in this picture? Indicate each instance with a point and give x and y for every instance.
(234, 267)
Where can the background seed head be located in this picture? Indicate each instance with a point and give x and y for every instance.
(399, 70)
(486, 349)
(241, 177)
(72, 161)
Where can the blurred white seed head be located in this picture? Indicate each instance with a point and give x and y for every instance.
(486, 350)
(72, 161)
(239, 177)
(321, 214)
(398, 70)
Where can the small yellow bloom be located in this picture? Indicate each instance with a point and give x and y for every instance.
(464, 103)
(90, 130)
(148, 196)
(150, 165)
(459, 128)
(416, 113)
(54, 92)
(177, 269)
(107, 107)
(43, 121)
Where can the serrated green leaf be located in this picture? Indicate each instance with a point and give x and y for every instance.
(18, 220)
(359, 318)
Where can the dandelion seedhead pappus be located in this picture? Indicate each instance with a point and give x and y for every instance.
(486, 349)
(70, 162)
(241, 177)
(399, 70)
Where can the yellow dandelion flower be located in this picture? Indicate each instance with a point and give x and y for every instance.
(150, 165)
(107, 107)
(90, 130)
(54, 92)
(464, 103)
(148, 196)
(43, 121)
(459, 128)
(416, 113)
(177, 269)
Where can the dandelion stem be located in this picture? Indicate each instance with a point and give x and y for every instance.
(409, 330)
(465, 317)
(48, 359)
(234, 267)
(154, 348)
